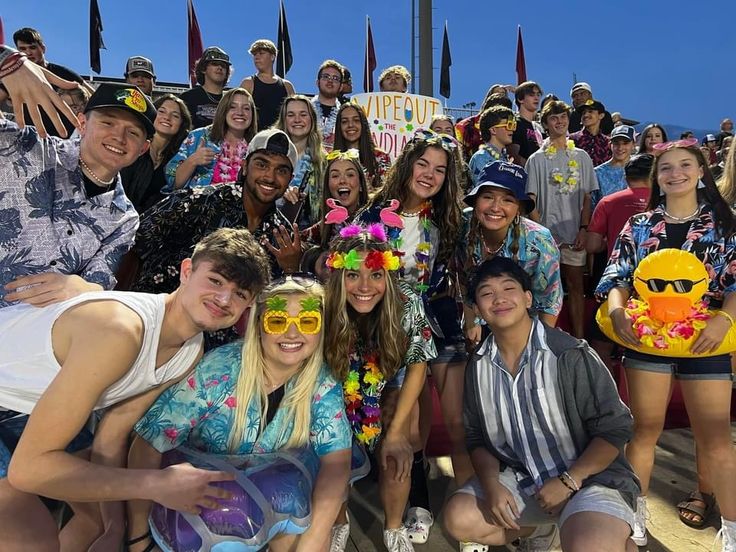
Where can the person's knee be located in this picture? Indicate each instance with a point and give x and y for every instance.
(460, 516)
(648, 429)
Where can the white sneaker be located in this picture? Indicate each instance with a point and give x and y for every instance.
(340, 536)
(473, 547)
(640, 522)
(397, 540)
(728, 544)
(545, 538)
(418, 523)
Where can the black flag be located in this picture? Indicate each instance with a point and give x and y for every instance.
(445, 66)
(95, 36)
(285, 59)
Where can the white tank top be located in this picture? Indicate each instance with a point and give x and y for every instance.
(28, 365)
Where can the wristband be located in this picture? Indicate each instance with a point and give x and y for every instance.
(566, 475)
(566, 484)
(725, 314)
(5, 53)
(7, 69)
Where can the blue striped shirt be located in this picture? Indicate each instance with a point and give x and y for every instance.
(528, 424)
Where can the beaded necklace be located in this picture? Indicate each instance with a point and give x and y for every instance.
(329, 122)
(362, 388)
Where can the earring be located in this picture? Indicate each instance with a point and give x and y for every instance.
(701, 184)
(517, 218)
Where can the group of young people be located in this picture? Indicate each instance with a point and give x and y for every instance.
(349, 278)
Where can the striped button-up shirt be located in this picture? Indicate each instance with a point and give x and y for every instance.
(528, 424)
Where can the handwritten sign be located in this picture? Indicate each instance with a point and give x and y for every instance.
(394, 117)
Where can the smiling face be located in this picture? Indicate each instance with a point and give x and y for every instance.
(298, 122)
(364, 288)
(678, 173)
(288, 351)
(112, 139)
(428, 174)
(502, 303)
(266, 176)
(239, 116)
(350, 126)
(654, 136)
(211, 301)
(557, 124)
(591, 118)
(168, 119)
(495, 209)
(142, 80)
(343, 182)
(621, 149)
(442, 126)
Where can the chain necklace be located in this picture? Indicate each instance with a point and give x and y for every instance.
(106, 183)
(683, 219)
(489, 251)
(214, 99)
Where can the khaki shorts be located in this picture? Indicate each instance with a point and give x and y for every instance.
(572, 257)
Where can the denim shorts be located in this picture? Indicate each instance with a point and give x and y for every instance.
(451, 344)
(593, 498)
(694, 368)
(11, 428)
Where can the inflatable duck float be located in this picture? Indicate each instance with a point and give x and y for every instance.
(668, 311)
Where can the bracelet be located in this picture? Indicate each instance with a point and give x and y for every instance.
(12, 68)
(574, 483)
(10, 59)
(566, 484)
(724, 313)
(5, 53)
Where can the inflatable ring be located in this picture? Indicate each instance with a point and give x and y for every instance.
(669, 313)
(272, 494)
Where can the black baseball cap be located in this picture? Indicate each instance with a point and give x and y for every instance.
(124, 96)
(591, 104)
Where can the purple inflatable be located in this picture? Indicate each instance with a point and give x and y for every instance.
(271, 495)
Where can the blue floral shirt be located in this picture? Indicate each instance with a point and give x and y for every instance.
(486, 154)
(200, 411)
(610, 180)
(47, 222)
(202, 175)
(646, 233)
(537, 254)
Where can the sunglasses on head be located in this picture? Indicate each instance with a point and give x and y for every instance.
(510, 124)
(431, 137)
(278, 322)
(658, 285)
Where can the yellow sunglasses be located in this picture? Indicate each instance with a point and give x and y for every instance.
(510, 124)
(278, 322)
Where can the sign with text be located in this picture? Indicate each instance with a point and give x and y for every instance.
(394, 117)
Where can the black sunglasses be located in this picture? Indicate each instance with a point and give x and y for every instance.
(658, 285)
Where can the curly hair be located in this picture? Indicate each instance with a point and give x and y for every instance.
(380, 328)
(446, 212)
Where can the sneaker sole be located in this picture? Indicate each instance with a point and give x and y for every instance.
(640, 541)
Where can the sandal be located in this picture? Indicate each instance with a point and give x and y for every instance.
(697, 503)
(147, 535)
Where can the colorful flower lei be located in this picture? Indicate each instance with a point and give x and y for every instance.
(663, 335)
(374, 260)
(569, 182)
(362, 389)
(423, 252)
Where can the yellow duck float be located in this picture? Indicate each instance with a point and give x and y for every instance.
(669, 312)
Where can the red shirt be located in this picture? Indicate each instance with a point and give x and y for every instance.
(613, 211)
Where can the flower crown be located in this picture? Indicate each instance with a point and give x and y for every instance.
(373, 259)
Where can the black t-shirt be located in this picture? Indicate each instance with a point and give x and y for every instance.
(526, 137)
(676, 233)
(326, 110)
(202, 105)
(92, 189)
(142, 183)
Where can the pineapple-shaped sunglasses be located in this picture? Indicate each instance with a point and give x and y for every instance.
(276, 319)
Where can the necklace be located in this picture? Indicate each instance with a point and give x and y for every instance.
(214, 99)
(489, 251)
(683, 219)
(327, 123)
(566, 182)
(107, 183)
(423, 253)
(362, 394)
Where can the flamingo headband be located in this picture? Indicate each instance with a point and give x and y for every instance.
(373, 259)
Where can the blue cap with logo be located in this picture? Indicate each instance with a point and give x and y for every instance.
(507, 176)
(623, 131)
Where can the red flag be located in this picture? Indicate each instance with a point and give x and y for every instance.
(369, 62)
(2, 31)
(194, 36)
(520, 61)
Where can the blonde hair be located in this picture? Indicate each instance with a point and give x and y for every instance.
(727, 182)
(297, 402)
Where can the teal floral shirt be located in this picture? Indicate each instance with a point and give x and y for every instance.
(200, 411)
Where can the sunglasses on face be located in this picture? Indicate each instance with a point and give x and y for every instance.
(278, 322)
(658, 285)
(510, 124)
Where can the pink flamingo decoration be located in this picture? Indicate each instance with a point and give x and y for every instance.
(337, 213)
(389, 217)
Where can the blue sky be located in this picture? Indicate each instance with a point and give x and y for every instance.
(667, 61)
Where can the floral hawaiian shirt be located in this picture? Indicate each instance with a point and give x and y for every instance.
(536, 253)
(646, 233)
(200, 412)
(486, 154)
(598, 146)
(47, 222)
